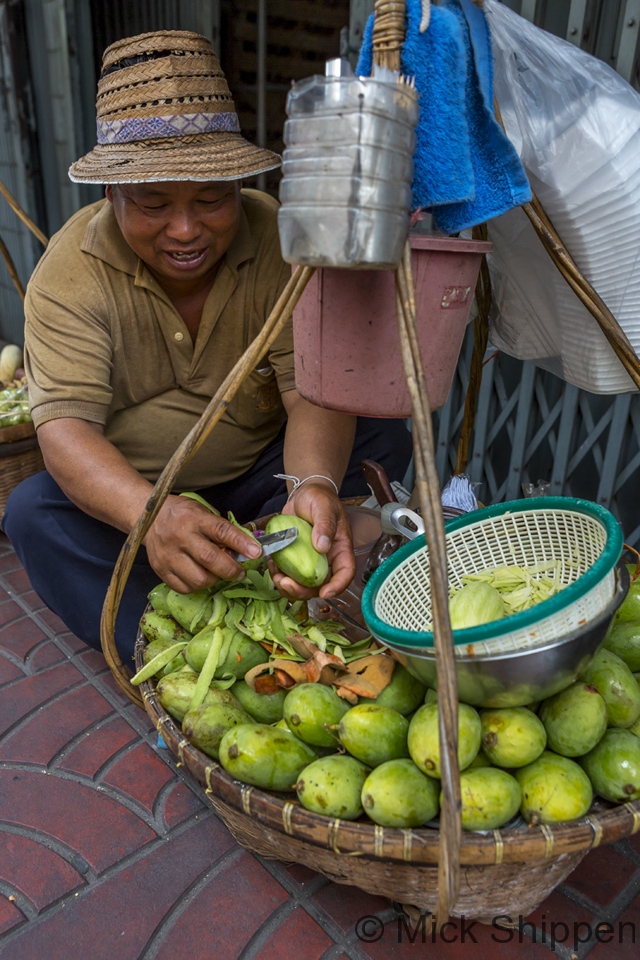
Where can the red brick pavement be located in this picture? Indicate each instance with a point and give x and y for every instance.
(108, 852)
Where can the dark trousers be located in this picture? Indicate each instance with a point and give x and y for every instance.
(69, 557)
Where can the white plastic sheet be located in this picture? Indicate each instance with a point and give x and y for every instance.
(576, 126)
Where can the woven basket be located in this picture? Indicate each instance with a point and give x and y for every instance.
(502, 871)
(18, 460)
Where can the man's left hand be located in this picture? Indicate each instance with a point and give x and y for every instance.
(317, 503)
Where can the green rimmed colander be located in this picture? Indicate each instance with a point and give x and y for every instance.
(585, 537)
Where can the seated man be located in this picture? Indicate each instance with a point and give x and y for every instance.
(137, 311)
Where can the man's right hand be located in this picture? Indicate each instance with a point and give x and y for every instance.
(186, 546)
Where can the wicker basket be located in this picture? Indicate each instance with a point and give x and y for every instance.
(19, 459)
(503, 872)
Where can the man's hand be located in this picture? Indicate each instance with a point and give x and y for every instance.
(186, 546)
(317, 503)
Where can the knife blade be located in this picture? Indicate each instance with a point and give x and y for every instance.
(271, 543)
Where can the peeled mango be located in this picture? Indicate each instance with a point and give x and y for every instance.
(613, 766)
(175, 693)
(575, 720)
(191, 610)
(616, 685)
(156, 626)
(243, 654)
(512, 736)
(554, 789)
(424, 743)
(474, 604)
(332, 786)
(629, 609)
(490, 798)
(205, 726)
(309, 708)
(300, 560)
(623, 639)
(403, 693)
(263, 707)
(374, 734)
(264, 757)
(397, 794)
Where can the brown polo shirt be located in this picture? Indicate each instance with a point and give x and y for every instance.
(104, 343)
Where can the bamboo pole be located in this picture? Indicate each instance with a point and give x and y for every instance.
(17, 209)
(11, 267)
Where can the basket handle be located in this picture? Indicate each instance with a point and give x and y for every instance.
(277, 319)
(636, 573)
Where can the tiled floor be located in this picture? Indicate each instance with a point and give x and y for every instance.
(107, 852)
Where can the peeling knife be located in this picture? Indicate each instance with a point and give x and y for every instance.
(271, 543)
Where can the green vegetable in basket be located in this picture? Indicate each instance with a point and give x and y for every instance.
(403, 693)
(397, 794)
(264, 757)
(512, 736)
(490, 798)
(176, 691)
(191, 610)
(156, 626)
(310, 708)
(623, 639)
(575, 720)
(333, 786)
(522, 587)
(374, 734)
(554, 789)
(263, 707)
(424, 740)
(300, 560)
(616, 685)
(613, 766)
(205, 726)
(474, 604)
(629, 609)
(158, 598)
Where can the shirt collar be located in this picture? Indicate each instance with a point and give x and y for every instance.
(103, 239)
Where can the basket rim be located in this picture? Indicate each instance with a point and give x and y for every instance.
(424, 638)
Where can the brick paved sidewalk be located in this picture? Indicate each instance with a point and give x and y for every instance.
(107, 852)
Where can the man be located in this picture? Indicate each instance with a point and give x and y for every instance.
(137, 311)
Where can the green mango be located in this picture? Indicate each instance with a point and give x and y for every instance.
(490, 798)
(243, 654)
(332, 786)
(480, 760)
(264, 757)
(512, 736)
(616, 685)
(374, 734)
(191, 610)
(263, 707)
(623, 639)
(613, 766)
(475, 603)
(397, 794)
(300, 560)
(309, 708)
(158, 598)
(156, 626)
(424, 742)
(403, 693)
(629, 609)
(431, 696)
(175, 693)
(554, 789)
(575, 720)
(205, 726)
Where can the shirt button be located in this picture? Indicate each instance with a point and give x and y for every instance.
(178, 336)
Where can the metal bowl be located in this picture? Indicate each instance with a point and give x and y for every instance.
(525, 676)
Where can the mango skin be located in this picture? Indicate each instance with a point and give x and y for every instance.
(156, 626)
(374, 734)
(206, 725)
(300, 560)
(244, 653)
(263, 707)
(613, 766)
(332, 786)
(554, 789)
(175, 693)
(623, 639)
(575, 720)
(397, 794)
(424, 744)
(264, 757)
(490, 798)
(309, 708)
(512, 736)
(616, 685)
(403, 693)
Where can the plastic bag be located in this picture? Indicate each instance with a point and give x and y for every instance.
(576, 126)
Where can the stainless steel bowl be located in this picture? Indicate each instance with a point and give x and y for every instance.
(516, 679)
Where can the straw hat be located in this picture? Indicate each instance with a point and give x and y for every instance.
(165, 112)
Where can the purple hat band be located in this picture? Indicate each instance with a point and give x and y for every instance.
(174, 125)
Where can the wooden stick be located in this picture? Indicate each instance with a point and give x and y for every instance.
(15, 206)
(430, 502)
(11, 267)
(276, 321)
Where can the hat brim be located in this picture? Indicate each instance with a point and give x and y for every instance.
(217, 156)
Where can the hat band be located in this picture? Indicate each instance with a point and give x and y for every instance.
(174, 125)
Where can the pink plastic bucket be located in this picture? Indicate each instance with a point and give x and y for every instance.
(347, 352)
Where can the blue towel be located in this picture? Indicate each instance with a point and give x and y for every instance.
(466, 169)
